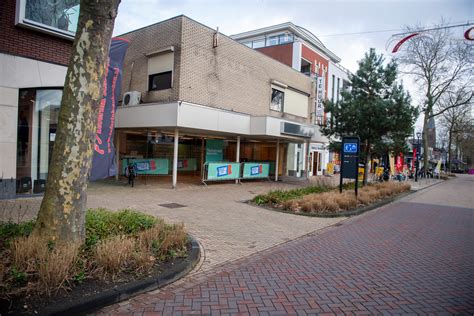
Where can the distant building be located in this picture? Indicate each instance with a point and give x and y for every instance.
(204, 88)
(300, 49)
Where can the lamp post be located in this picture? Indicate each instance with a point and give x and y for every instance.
(418, 136)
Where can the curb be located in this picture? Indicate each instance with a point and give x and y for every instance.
(126, 291)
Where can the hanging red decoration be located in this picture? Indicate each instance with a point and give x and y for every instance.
(468, 35)
(403, 40)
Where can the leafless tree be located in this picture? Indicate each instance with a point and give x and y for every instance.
(456, 122)
(441, 65)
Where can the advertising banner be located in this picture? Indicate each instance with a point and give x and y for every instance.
(330, 168)
(188, 164)
(360, 174)
(413, 160)
(103, 161)
(214, 150)
(399, 163)
(158, 166)
(391, 160)
(223, 170)
(255, 170)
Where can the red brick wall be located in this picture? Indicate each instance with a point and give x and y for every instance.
(312, 56)
(282, 53)
(23, 42)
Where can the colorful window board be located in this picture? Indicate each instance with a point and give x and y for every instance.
(148, 166)
(253, 170)
(223, 170)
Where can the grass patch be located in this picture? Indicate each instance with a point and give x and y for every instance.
(328, 200)
(117, 245)
(334, 202)
(278, 197)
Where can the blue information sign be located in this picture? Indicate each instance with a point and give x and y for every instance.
(350, 148)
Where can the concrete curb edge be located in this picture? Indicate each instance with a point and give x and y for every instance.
(128, 290)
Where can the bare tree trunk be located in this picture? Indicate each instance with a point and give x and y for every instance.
(367, 161)
(449, 148)
(62, 213)
(425, 141)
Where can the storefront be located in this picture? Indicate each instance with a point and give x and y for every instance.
(37, 122)
(185, 137)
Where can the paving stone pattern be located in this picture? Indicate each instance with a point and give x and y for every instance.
(405, 258)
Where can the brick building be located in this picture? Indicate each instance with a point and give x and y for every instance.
(35, 44)
(202, 87)
(300, 49)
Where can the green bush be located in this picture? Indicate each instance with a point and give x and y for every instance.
(10, 230)
(280, 196)
(102, 224)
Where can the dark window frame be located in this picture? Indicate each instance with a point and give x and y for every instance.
(150, 81)
(282, 100)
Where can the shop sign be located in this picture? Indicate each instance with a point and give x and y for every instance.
(296, 129)
(320, 96)
(317, 147)
(256, 170)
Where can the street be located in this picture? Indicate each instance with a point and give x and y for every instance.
(414, 256)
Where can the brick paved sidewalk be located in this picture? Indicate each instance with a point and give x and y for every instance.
(404, 258)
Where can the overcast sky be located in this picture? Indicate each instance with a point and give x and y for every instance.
(326, 19)
(323, 18)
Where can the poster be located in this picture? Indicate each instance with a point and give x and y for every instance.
(256, 170)
(214, 150)
(223, 170)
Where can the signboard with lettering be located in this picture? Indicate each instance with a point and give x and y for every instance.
(214, 150)
(320, 96)
(350, 160)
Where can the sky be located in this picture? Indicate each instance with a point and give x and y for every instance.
(330, 21)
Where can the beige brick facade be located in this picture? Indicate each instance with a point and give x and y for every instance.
(230, 76)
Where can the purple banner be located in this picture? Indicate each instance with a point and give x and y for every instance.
(103, 163)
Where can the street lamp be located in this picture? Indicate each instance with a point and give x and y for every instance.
(418, 136)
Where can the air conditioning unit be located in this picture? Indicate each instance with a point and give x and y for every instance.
(131, 98)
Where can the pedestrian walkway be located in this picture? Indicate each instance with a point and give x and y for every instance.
(412, 256)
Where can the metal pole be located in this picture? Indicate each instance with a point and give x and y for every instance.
(237, 155)
(202, 158)
(175, 158)
(277, 160)
(417, 155)
(117, 154)
(341, 171)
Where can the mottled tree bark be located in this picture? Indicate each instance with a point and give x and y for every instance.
(62, 213)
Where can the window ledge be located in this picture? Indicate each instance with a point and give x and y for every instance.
(160, 51)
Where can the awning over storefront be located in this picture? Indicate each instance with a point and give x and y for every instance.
(184, 115)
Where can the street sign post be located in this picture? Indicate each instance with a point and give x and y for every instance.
(350, 160)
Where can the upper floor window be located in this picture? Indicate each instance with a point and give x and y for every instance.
(248, 44)
(160, 81)
(277, 100)
(285, 38)
(258, 43)
(272, 40)
(160, 69)
(55, 17)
